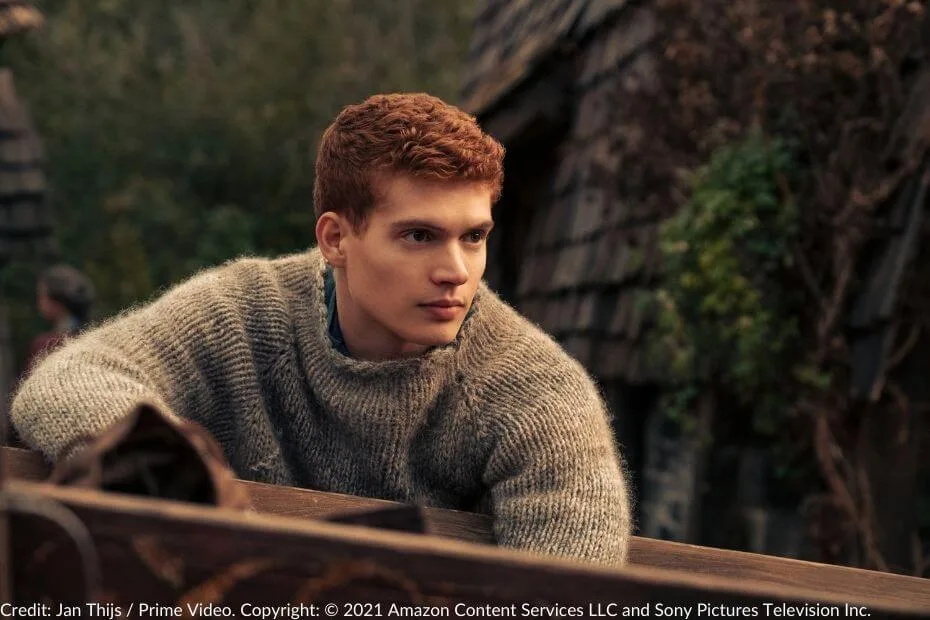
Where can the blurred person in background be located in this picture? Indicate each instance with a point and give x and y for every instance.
(64, 297)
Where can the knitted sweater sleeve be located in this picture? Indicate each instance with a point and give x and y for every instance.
(556, 480)
(187, 353)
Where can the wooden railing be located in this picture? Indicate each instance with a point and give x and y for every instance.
(170, 553)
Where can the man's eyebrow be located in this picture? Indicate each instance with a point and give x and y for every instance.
(418, 223)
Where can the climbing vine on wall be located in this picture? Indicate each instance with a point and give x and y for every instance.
(726, 316)
(802, 121)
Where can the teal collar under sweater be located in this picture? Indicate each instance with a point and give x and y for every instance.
(335, 332)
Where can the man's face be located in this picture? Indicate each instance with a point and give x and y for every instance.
(411, 273)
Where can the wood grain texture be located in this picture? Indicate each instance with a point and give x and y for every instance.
(168, 552)
(24, 464)
(308, 504)
(845, 583)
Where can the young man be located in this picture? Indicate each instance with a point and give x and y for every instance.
(376, 364)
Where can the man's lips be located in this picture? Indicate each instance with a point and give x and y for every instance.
(445, 303)
(444, 309)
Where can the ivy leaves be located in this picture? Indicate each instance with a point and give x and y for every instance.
(725, 315)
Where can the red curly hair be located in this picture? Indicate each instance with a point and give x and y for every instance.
(415, 134)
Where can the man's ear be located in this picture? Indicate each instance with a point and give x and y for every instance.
(331, 231)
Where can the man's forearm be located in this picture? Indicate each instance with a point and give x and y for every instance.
(591, 521)
(77, 392)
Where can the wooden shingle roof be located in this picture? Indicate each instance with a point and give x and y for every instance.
(25, 219)
(25, 216)
(513, 37)
(591, 255)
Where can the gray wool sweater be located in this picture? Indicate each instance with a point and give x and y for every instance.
(501, 421)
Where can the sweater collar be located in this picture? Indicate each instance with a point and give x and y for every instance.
(392, 395)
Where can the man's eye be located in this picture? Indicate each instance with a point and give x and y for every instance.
(417, 236)
(476, 236)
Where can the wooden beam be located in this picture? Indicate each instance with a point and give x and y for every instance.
(308, 504)
(295, 502)
(720, 563)
(23, 464)
(172, 553)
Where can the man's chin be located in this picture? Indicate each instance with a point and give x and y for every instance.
(437, 336)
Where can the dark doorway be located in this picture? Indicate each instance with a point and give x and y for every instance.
(529, 171)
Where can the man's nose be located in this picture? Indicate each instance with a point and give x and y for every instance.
(451, 267)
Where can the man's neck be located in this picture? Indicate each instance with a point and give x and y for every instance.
(364, 338)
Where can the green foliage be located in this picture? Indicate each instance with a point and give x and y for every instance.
(725, 315)
(180, 134)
